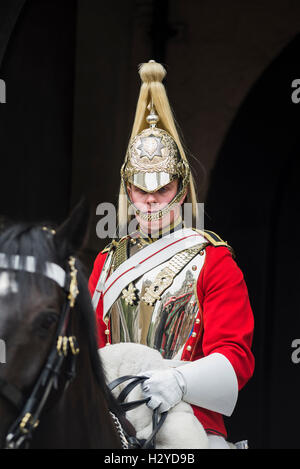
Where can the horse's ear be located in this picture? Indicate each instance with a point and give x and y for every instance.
(72, 234)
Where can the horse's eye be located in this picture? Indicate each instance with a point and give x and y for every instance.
(44, 321)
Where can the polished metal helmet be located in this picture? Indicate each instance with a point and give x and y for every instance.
(153, 160)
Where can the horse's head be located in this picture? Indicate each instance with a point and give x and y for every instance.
(34, 284)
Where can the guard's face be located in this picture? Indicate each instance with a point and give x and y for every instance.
(152, 202)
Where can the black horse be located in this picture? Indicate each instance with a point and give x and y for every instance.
(43, 332)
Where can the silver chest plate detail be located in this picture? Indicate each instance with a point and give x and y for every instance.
(166, 325)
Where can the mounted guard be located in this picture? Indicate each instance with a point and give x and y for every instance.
(168, 286)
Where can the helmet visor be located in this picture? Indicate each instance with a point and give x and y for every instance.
(151, 182)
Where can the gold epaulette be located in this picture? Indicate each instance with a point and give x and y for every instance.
(119, 248)
(215, 239)
(110, 246)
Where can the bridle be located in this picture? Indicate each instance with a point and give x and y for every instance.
(158, 419)
(64, 351)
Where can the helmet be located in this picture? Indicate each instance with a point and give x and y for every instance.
(155, 155)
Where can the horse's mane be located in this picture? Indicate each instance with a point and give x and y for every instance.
(89, 323)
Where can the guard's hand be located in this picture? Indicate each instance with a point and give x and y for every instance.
(164, 387)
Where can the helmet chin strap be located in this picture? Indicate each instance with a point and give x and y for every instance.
(161, 231)
(159, 214)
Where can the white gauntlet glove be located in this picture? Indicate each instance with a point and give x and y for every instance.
(211, 383)
(164, 387)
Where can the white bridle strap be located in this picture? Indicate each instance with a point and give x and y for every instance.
(28, 264)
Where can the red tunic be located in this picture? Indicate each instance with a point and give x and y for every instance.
(225, 322)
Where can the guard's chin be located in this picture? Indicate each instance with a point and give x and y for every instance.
(150, 226)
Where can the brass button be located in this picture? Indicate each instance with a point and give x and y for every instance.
(201, 252)
(194, 267)
(189, 348)
(197, 321)
(194, 334)
(106, 331)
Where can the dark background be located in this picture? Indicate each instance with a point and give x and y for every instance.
(70, 70)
